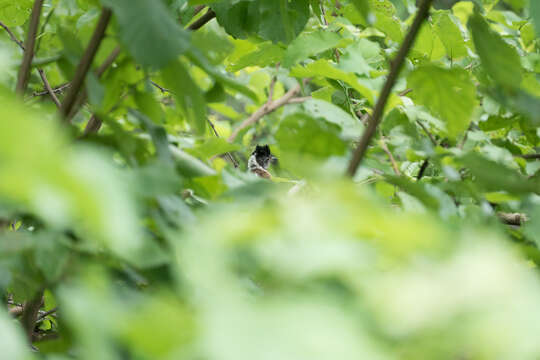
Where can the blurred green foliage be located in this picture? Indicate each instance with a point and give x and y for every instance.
(145, 241)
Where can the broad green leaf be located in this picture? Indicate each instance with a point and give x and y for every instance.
(351, 127)
(323, 68)
(448, 93)
(500, 60)
(15, 13)
(358, 57)
(427, 45)
(493, 176)
(149, 32)
(303, 134)
(187, 94)
(275, 20)
(450, 35)
(308, 44)
(266, 54)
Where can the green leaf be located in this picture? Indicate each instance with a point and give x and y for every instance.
(534, 10)
(308, 44)
(450, 35)
(188, 165)
(275, 20)
(213, 146)
(149, 32)
(500, 60)
(187, 94)
(493, 176)
(15, 13)
(448, 93)
(323, 68)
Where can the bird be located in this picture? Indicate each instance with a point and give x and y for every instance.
(260, 160)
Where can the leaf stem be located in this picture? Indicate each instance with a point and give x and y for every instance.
(360, 151)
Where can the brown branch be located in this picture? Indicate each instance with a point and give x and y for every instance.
(12, 36)
(529, 156)
(55, 90)
(46, 313)
(24, 70)
(392, 159)
(108, 61)
(200, 22)
(30, 313)
(405, 92)
(299, 100)
(267, 108)
(49, 89)
(229, 155)
(397, 64)
(85, 63)
(422, 169)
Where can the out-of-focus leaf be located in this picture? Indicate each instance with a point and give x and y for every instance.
(448, 93)
(12, 340)
(500, 60)
(188, 95)
(188, 165)
(535, 14)
(149, 32)
(213, 146)
(493, 176)
(65, 186)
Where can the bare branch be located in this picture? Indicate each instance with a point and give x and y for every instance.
(359, 153)
(12, 36)
(427, 132)
(50, 91)
(390, 156)
(85, 63)
(24, 70)
(200, 22)
(267, 108)
(57, 89)
(422, 169)
(108, 61)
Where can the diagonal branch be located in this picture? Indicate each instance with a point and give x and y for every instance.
(24, 70)
(12, 36)
(49, 88)
(200, 22)
(267, 108)
(359, 153)
(85, 63)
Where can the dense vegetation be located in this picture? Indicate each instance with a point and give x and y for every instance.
(402, 220)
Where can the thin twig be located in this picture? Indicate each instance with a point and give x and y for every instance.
(405, 92)
(397, 64)
(49, 89)
(24, 70)
(12, 36)
(200, 22)
(427, 132)
(85, 63)
(299, 100)
(42, 30)
(229, 155)
(46, 313)
(267, 108)
(57, 89)
(108, 61)
(161, 88)
(392, 159)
